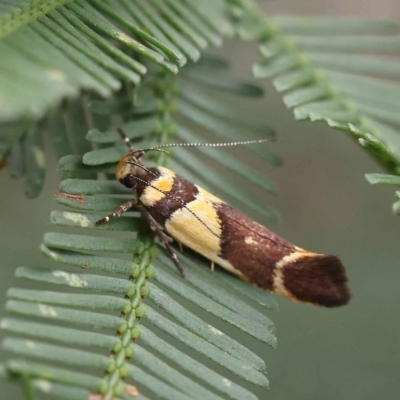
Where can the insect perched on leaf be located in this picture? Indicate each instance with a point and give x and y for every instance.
(178, 209)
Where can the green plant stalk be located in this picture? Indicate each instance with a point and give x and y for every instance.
(112, 382)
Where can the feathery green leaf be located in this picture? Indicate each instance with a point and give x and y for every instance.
(329, 71)
(106, 293)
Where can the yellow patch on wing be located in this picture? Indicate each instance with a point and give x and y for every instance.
(208, 196)
(186, 229)
(164, 182)
(202, 236)
(229, 267)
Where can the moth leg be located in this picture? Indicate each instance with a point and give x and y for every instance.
(212, 266)
(154, 225)
(180, 247)
(162, 236)
(175, 259)
(118, 212)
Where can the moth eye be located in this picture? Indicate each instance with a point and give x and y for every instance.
(129, 181)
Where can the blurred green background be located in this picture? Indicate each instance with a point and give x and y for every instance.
(328, 207)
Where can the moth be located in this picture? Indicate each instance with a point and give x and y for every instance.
(179, 210)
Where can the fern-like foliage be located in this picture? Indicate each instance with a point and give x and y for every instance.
(152, 365)
(64, 44)
(342, 71)
(330, 77)
(331, 69)
(127, 325)
(71, 344)
(52, 51)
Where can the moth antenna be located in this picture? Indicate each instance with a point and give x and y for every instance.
(143, 167)
(126, 139)
(178, 201)
(225, 144)
(142, 152)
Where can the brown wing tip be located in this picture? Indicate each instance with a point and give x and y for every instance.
(318, 279)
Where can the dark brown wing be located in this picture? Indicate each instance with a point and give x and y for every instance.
(272, 263)
(250, 247)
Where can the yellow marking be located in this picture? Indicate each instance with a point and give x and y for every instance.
(164, 182)
(207, 213)
(229, 267)
(185, 228)
(208, 196)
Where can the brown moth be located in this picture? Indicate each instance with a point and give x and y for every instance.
(178, 209)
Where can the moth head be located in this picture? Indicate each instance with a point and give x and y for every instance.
(127, 169)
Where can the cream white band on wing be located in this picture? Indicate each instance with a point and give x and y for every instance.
(191, 231)
(278, 280)
(185, 228)
(164, 182)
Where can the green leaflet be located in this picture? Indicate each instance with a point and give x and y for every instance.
(84, 59)
(254, 328)
(385, 179)
(203, 281)
(50, 352)
(48, 303)
(318, 62)
(334, 70)
(321, 65)
(72, 316)
(377, 179)
(92, 282)
(36, 370)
